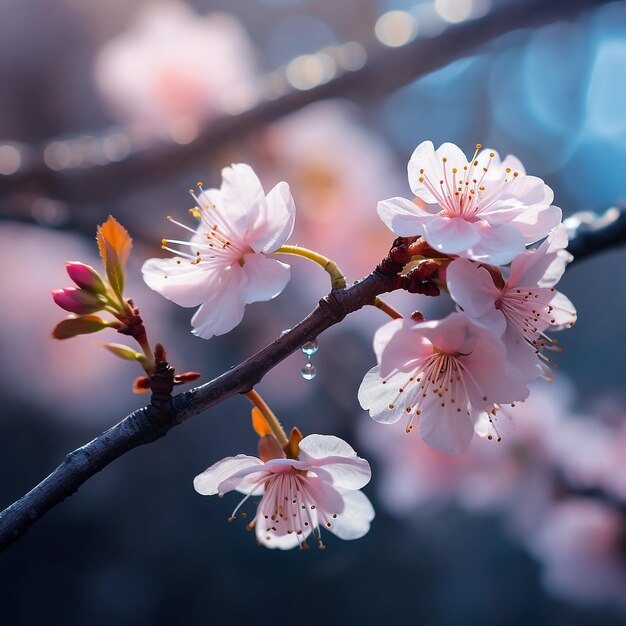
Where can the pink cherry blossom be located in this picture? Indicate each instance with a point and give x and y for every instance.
(525, 306)
(174, 69)
(442, 374)
(227, 266)
(483, 209)
(319, 489)
(581, 547)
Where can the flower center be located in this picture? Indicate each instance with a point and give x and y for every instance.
(464, 194)
(289, 507)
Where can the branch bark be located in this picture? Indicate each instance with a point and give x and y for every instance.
(153, 422)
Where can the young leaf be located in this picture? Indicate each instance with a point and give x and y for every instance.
(124, 352)
(114, 244)
(73, 326)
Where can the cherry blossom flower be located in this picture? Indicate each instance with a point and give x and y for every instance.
(442, 374)
(581, 547)
(524, 306)
(319, 489)
(227, 266)
(484, 209)
(174, 69)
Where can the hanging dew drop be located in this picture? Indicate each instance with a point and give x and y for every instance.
(308, 372)
(310, 348)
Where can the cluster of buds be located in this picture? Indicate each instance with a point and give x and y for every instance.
(96, 294)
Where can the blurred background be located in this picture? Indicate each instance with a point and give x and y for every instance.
(118, 108)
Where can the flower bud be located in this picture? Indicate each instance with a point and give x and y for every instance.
(77, 300)
(85, 276)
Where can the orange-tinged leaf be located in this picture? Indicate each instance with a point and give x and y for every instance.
(114, 244)
(259, 423)
(83, 325)
(117, 237)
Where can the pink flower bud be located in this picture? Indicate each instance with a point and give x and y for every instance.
(77, 300)
(85, 276)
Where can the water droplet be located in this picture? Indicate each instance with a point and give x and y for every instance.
(310, 347)
(284, 332)
(308, 372)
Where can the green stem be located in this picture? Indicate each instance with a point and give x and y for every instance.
(337, 279)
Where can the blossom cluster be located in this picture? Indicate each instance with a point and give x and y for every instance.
(448, 377)
(480, 229)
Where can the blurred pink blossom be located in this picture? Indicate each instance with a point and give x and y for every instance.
(173, 69)
(581, 547)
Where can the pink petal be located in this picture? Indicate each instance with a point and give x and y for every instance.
(265, 278)
(497, 245)
(444, 428)
(537, 223)
(405, 349)
(449, 334)
(450, 235)
(384, 334)
(472, 288)
(207, 482)
(488, 377)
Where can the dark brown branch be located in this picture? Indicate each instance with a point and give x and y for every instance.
(387, 69)
(152, 422)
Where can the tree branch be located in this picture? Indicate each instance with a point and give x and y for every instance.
(386, 70)
(153, 422)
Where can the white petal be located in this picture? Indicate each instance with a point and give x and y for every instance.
(207, 482)
(472, 288)
(376, 397)
(266, 278)
(451, 234)
(338, 460)
(242, 197)
(402, 216)
(224, 310)
(357, 515)
(321, 446)
(185, 284)
(276, 221)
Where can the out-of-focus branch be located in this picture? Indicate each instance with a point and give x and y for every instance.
(385, 71)
(591, 233)
(153, 422)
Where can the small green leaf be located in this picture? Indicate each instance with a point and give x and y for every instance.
(83, 325)
(124, 352)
